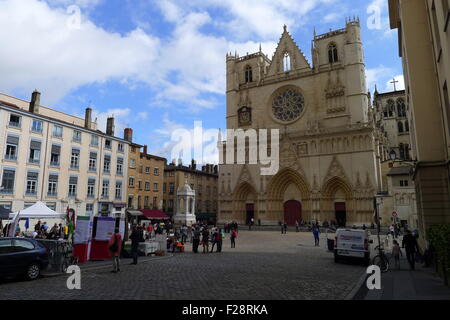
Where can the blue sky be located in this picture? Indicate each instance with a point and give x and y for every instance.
(159, 65)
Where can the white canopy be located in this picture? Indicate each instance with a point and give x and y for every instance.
(38, 211)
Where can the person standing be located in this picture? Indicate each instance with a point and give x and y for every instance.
(205, 239)
(285, 226)
(221, 236)
(296, 226)
(316, 233)
(135, 239)
(115, 248)
(411, 247)
(196, 239)
(215, 240)
(233, 238)
(396, 253)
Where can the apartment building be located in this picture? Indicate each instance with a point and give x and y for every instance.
(204, 182)
(60, 159)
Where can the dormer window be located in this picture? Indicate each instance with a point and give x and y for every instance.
(248, 74)
(286, 62)
(332, 53)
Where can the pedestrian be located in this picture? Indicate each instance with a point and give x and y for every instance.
(391, 230)
(205, 239)
(396, 253)
(135, 239)
(233, 238)
(411, 246)
(195, 239)
(115, 247)
(316, 233)
(221, 236)
(364, 227)
(215, 240)
(296, 226)
(285, 226)
(37, 226)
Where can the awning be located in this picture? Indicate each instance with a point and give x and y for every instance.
(134, 213)
(154, 214)
(206, 215)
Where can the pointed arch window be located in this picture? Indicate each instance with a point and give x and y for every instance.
(332, 53)
(401, 108)
(406, 126)
(400, 127)
(286, 62)
(390, 108)
(402, 150)
(248, 74)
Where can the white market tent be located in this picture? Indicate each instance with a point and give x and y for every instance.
(38, 211)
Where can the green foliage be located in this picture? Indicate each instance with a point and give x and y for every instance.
(439, 237)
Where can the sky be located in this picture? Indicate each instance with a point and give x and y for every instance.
(159, 65)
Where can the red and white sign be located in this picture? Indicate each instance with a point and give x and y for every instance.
(394, 213)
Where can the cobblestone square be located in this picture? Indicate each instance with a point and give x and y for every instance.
(264, 265)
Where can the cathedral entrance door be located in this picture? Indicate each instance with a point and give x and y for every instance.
(250, 210)
(292, 212)
(340, 213)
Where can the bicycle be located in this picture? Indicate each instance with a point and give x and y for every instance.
(68, 259)
(381, 260)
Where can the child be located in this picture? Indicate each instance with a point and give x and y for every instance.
(396, 253)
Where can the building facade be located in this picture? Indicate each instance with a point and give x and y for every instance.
(59, 159)
(328, 151)
(424, 46)
(203, 182)
(145, 179)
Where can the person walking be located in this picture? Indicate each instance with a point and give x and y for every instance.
(411, 246)
(233, 238)
(135, 239)
(296, 226)
(215, 240)
(205, 239)
(316, 233)
(285, 226)
(115, 248)
(221, 236)
(195, 239)
(396, 253)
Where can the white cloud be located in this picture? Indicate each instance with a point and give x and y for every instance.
(399, 85)
(375, 75)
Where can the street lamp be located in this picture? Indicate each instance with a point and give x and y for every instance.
(393, 155)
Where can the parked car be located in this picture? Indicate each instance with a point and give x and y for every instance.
(22, 256)
(352, 244)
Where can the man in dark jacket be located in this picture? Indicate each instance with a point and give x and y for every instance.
(196, 239)
(411, 247)
(135, 239)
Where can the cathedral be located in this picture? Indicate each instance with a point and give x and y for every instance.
(329, 161)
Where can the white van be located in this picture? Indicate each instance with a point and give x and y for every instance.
(352, 243)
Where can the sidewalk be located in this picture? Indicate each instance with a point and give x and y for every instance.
(403, 284)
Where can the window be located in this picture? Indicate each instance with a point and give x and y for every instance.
(446, 12)
(37, 126)
(147, 186)
(108, 144)
(404, 183)
(164, 187)
(132, 163)
(91, 188)
(171, 188)
(140, 184)
(23, 245)
(155, 202)
(52, 190)
(35, 151)
(156, 171)
(119, 166)
(73, 182)
(8, 181)
(437, 37)
(401, 108)
(93, 161)
(400, 127)
(131, 182)
(118, 190)
(389, 111)
(332, 53)
(55, 155)
(406, 126)
(15, 121)
(32, 178)
(57, 131)
(120, 147)
(75, 159)
(286, 62)
(141, 168)
(6, 246)
(146, 202)
(171, 204)
(133, 149)
(107, 164)
(155, 187)
(248, 74)
(76, 136)
(12, 145)
(139, 202)
(51, 205)
(130, 201)
(89, 208)
(105, 189)
(147, 169)
(94, 141)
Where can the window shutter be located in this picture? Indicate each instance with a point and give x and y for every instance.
(35, 145)
(13, 140)
(56, 149)
(93, 155)
(53, 178)
(76, 151)
(73, 180)
(107, 158)
(32, 176)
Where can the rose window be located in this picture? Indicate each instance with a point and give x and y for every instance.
(288, 105)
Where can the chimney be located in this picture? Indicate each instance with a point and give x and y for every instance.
(88, 118)
(128, 134)
(145, 150)
(110, 126)
(35, 101)
(193, 165)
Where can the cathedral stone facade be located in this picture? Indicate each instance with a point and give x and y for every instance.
(329, 153)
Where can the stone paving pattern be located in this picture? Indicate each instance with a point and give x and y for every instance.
(265, 265)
